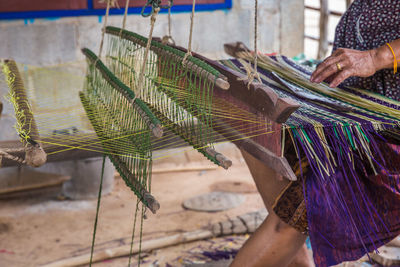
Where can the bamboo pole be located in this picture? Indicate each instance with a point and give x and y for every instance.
(246, 223)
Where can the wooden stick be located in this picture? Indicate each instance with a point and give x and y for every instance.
(246, 223)
(34, 153)
(147, 245)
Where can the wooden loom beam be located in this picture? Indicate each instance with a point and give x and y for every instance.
(220, 81)
(74, 150)
(265, 101)
(34, 154)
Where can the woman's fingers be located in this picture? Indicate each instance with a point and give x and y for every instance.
(321, 67)
(344, 63)
(327, 68)
(340, 77)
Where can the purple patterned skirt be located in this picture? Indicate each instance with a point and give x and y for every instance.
(347, 216)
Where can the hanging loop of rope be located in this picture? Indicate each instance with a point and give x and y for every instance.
(125, 15)
(109, 4)
(146, 53)
(189, 50)
(252, 73)
(167, 39)
(155, 4)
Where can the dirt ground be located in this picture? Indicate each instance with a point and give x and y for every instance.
(38, 228)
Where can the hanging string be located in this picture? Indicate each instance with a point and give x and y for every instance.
(252, 72)
(189, 50)
(255, 39)
(133, 231)
(125, 15)
(168, 38)
(146, 53)
(97, 210)
(103, 30)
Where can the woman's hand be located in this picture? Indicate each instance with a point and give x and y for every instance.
(344, 63)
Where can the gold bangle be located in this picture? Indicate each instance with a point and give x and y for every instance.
(394, 58)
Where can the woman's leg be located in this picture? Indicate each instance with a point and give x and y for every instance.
(273, 232)
(274, 244)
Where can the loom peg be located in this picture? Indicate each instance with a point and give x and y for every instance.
(223, 161)
(148, 200)
(221, 83)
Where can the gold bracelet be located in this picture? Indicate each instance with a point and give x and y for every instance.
(394, 58)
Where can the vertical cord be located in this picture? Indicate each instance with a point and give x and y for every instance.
(252, 72)
(133, 231)
(125, 14)
(103, 30)
(141, 233)
(191, 27)
(169, 19)
(146, 54)
(189, 50)
(168, 38)
(97, 210)
(255, 34)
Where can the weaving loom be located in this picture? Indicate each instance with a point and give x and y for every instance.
(144, 94)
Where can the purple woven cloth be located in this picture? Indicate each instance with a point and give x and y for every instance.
(350, 215)
(353, 213)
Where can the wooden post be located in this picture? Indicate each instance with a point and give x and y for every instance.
(323, 29)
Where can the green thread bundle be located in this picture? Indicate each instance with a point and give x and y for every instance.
(122, 125)
(180, 93)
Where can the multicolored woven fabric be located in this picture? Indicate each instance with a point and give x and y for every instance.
(353, 187)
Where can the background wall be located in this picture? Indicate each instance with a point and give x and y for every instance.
(55, 41)
(50, 42)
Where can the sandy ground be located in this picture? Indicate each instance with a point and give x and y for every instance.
(38, 229)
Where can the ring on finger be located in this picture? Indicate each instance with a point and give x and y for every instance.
(339, 67)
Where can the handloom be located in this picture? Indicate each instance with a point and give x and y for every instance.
(332, 128)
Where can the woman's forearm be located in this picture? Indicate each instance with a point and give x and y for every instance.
(344, 63)
(383, 56)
